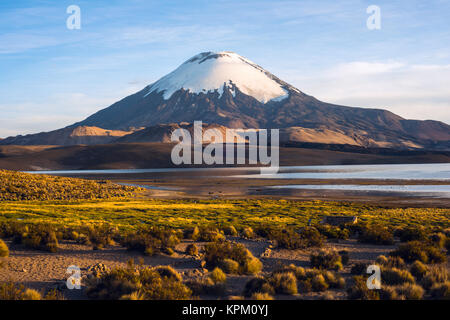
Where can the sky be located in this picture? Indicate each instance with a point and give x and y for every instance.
(52, 76)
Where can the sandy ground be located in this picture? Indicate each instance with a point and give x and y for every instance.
(43, 271)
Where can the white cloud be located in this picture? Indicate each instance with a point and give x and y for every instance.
(412, 91)
(58, 111)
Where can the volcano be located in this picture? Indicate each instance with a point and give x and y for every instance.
(226, 89)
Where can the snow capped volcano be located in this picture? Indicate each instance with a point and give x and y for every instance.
(228, 90)
(210, 71)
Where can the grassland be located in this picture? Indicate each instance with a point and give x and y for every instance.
(15, 186)
(131, 213)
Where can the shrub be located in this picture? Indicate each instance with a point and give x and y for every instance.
(410, 291)
(418, 269)
(17, 186)
(359, 290)
(381, 260)
(258, 285)
(312, 237)
(248, 233)
(167, 272)
(434, 275)
(193, 233)
(100, 236)
(230, 231)
(216, 253)
(376, 234)
(4, 251)
(40, 237)
(206, 285)
(218, 276)
(229, 266)
(253, 266)
(326, 259)
(284, 283)
(299, 272)
(152, 240)
(334, 280)
(147, 283)
(441, 291)
(388, 293)
(394, 276)
(289, 239)
(9, 291)
(261, 296)
(192, 249)
(359, 268)
(333, 232)
(319, 283)
(30, 294)
(438, 240)
(391, 261)
(345, 257)
(210, 234)
(284, 238)
(412, 234)
(415, 250)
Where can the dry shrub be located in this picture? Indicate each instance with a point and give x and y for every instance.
(394, 276)
(218, 276)
(261, 296)
(438, 240)
(359, 290)
(248, 233)
(333, 232)
(441, 291)
(217, 252)
(192, 249)
(418, 269)
(375, 234)
(160, 283)
(258, 285)
(412, 234)
(206, 286)
(229, 266)
(415, 250)
(284, 283)
(30, 294)
(434, 275)
(101, 236)
(40, 237)
(152, 240)
(230, 231)
(326, 259)
(288, 238)
(359, 268)
(4, 251)
(409, 291)
(210, 234)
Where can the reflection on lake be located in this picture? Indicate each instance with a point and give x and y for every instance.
(441, 190)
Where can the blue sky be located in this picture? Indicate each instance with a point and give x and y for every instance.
(51, 76)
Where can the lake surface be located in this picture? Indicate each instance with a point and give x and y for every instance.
(438, 190)
(411, 174)
(434, 171)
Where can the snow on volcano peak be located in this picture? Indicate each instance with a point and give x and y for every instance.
(210, 71)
